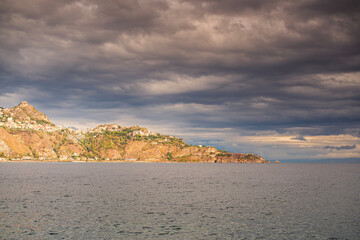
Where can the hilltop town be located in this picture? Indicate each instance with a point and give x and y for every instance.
(29, 135)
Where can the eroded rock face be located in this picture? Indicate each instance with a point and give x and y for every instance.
(5, 149)
(10, 146)
(26, 133)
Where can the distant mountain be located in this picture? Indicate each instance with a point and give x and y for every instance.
(27, 134)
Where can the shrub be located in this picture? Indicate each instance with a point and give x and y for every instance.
(169, 156)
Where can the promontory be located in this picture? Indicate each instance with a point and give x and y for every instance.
(29, 135)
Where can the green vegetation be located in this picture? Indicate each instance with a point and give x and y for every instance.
(44, 122)
(222, 153)
(186, 158)
(90, 144)
(94, 143)
(169, 156)
(34, 153)
(56, 149)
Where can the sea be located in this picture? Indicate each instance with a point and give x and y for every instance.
(179, 201)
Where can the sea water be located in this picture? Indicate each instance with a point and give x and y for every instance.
(179, 201)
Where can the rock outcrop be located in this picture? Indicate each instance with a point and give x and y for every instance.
(27, 134)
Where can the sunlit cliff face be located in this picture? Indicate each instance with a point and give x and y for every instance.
(245, 74)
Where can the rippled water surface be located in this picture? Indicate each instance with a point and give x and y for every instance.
(179, 201)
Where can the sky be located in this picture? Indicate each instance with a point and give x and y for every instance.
(276, 78)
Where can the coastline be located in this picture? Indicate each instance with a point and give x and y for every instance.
(112, 161)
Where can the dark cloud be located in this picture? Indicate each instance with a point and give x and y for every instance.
(283, 66)
(346, 147)
(301, 138)
(332, 7)
(227, 7)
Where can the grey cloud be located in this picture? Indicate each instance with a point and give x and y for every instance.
(345, 147)
(332, 7)
(301, 138)
(87, 25)
(234, 7)
(109, 14)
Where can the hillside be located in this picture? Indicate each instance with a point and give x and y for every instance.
(27, 134)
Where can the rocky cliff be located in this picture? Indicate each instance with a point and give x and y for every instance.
(27, 134)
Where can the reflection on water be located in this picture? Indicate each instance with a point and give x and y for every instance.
(179, 201)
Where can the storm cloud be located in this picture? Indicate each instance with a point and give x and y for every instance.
(301, 138)
(346, 147)
(203, 70)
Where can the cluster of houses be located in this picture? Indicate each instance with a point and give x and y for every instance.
(144, 133)
(107, 127)
(9, 122)
(115, 127)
